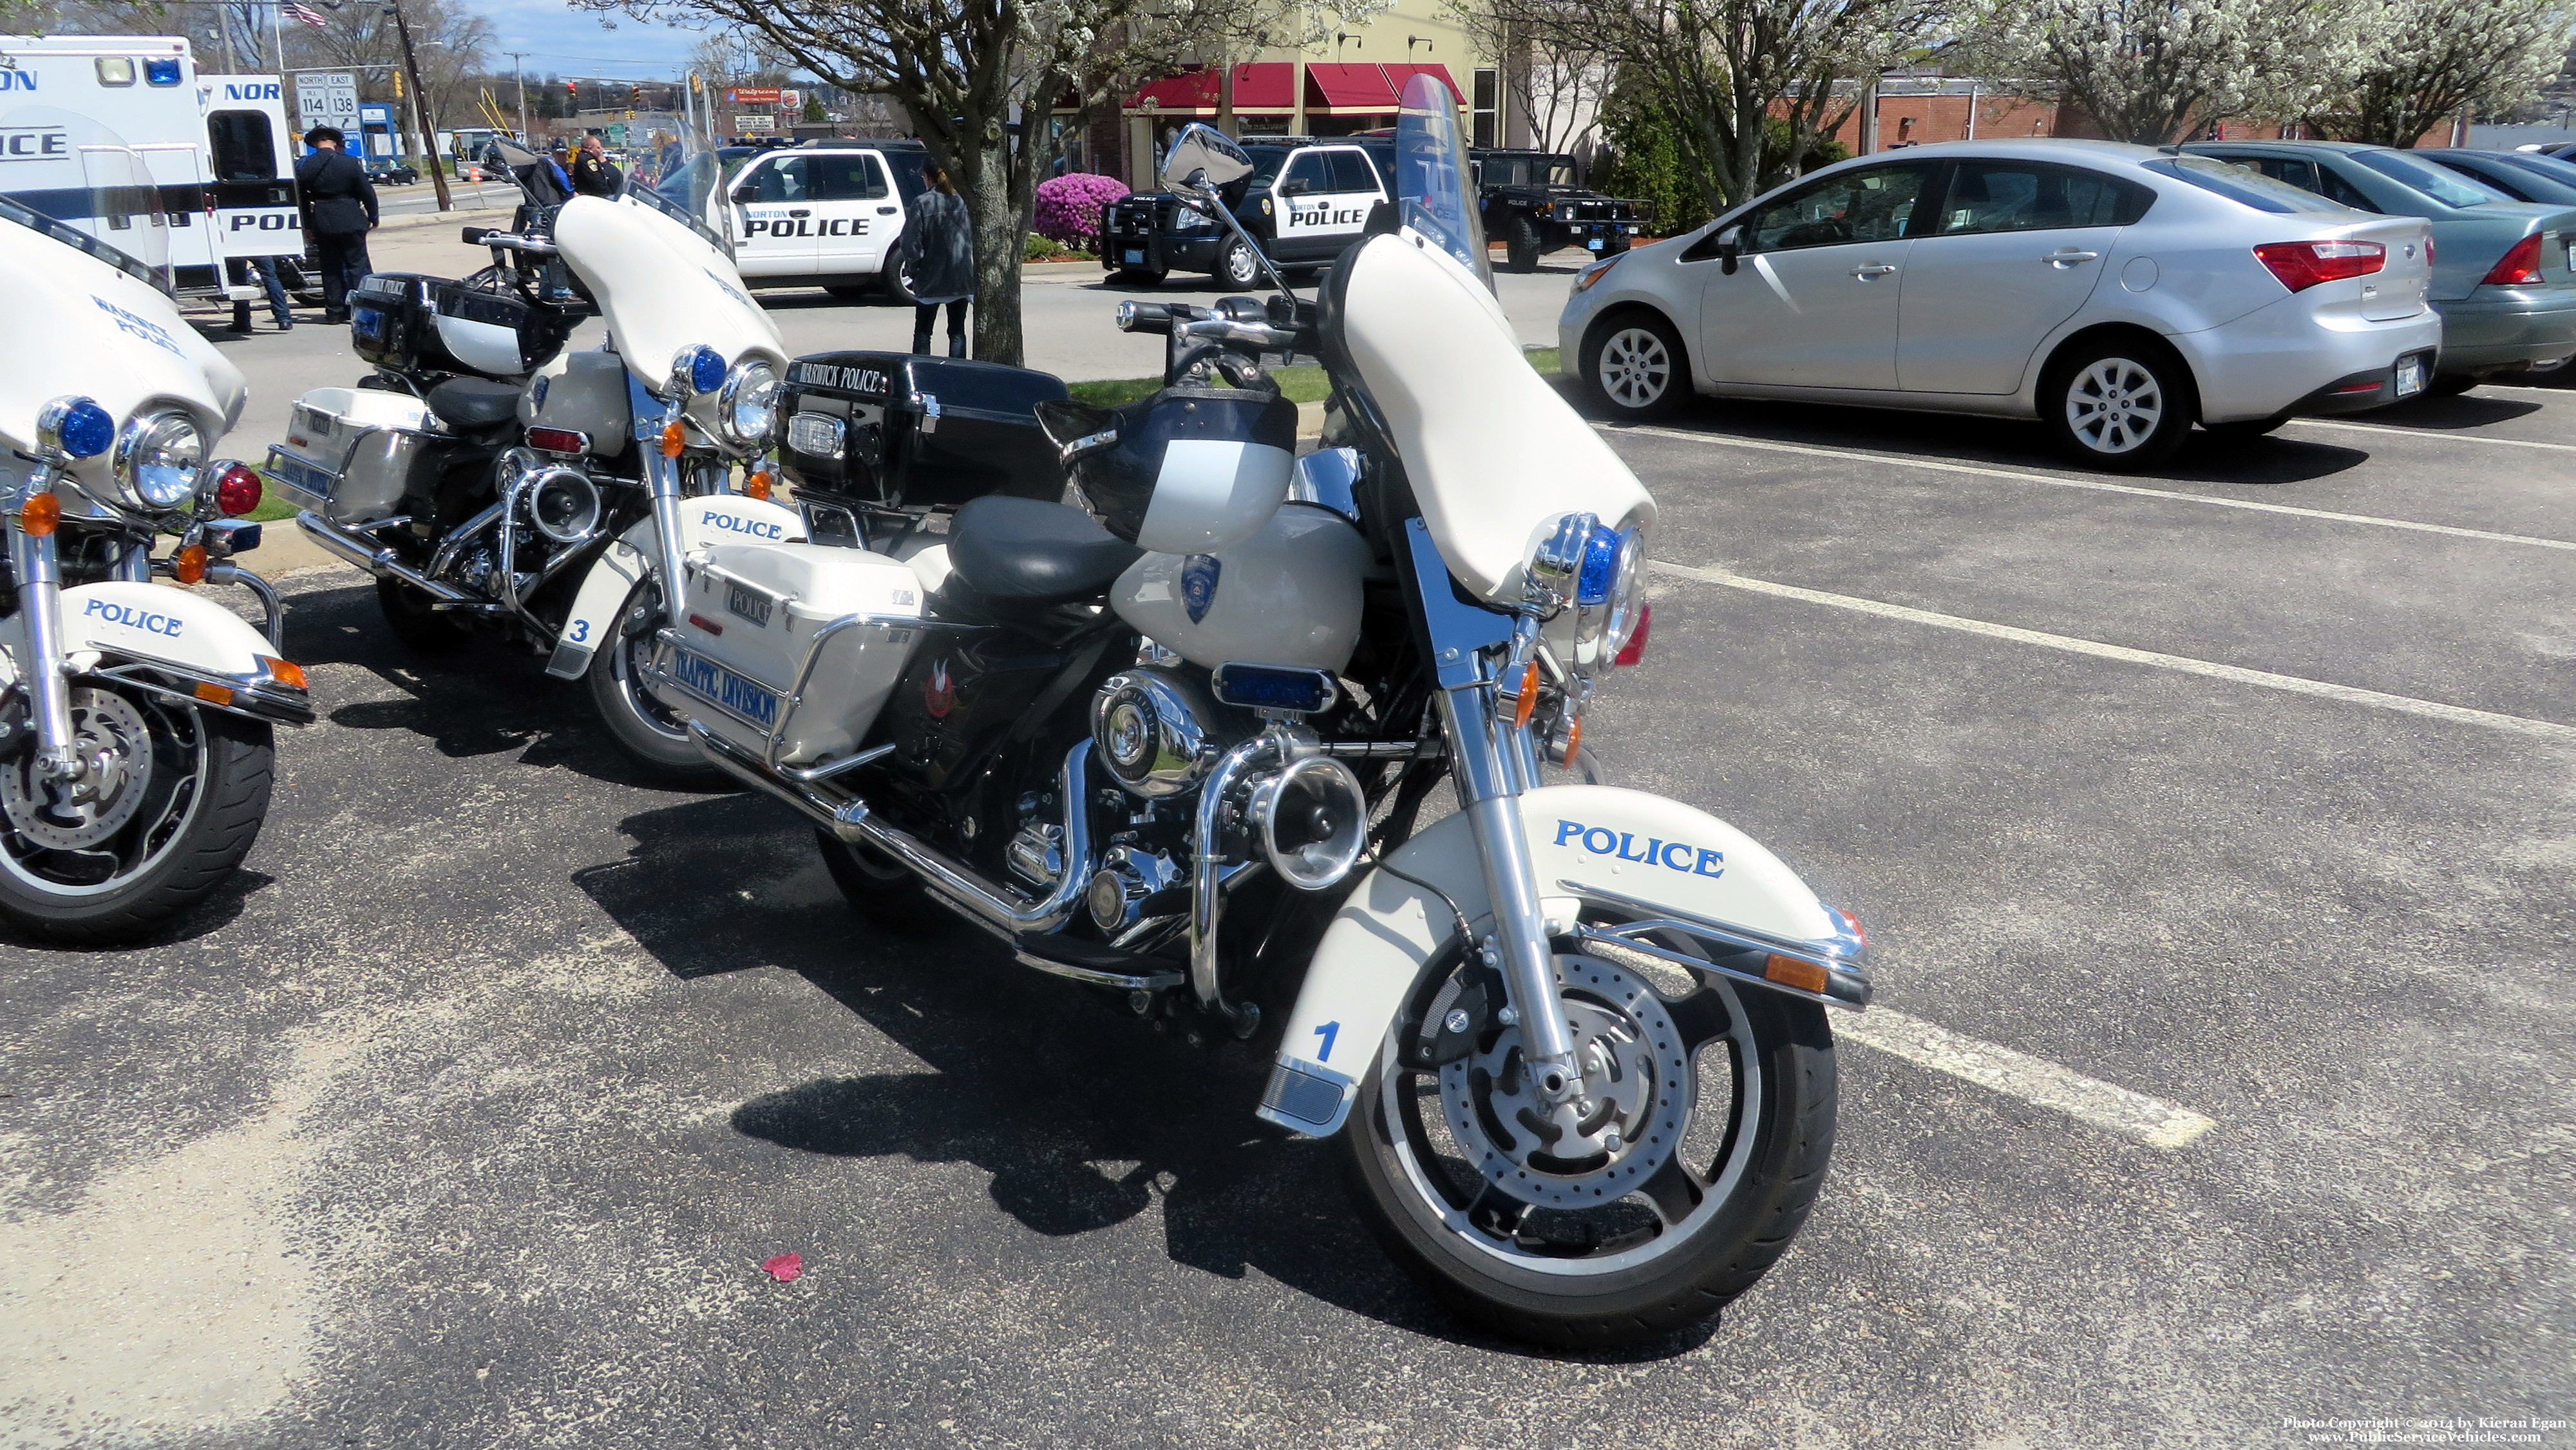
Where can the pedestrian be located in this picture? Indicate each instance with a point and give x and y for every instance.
(264, 269)
(339, 211)
(939, 259)
(592, 172)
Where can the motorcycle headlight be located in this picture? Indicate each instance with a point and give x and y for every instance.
(747, 409)
(157, 457)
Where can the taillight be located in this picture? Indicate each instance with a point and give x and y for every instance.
(2519, 267)
(559, 440)
(1635, 649)
(2302, 265)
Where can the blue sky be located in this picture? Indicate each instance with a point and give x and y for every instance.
(563, 41)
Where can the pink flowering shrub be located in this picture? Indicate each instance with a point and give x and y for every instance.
(1070, 206)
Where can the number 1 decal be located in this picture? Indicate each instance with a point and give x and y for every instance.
(1328, 1032)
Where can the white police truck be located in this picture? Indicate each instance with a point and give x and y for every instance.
(216, 145)
(823, 214)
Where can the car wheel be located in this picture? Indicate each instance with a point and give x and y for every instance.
(1236, 266)
(2121, 405)
(895, 281)
(1521, 245)
(1634, 367)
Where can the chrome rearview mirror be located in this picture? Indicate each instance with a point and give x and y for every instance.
(1203, 157)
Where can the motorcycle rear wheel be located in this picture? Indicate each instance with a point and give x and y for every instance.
(180, 806)
(1729, 1090)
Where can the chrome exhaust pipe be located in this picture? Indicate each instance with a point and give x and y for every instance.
(996, 908)
(376, 559)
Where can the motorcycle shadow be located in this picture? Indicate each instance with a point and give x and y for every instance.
(1083, 1115)
(217, 911)
(482, 698)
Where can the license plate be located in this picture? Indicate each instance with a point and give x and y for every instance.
(303, 477)
(746, 700)
(743, 604)
(2410, 376)
(1135, 257)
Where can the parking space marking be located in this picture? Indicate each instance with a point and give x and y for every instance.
(2152, 1121)
(2095, 485)
(2436, 437)
(2235, 674)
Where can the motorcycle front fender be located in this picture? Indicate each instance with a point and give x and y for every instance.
(716, 518)
(1641, 847)
(185, 637)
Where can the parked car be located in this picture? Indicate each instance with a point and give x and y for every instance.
(2503, 279)
(2116, 293)
(1534, 202)
(822, 214)
(2522, 176)
(392, 173)
(1306, 199)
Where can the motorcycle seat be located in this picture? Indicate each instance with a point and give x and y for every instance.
(474, 402)
(1030, 551)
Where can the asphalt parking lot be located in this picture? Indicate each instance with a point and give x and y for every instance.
(2213, 829)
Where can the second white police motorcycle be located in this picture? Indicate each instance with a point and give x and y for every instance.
(1572, 1038)
(495, 482)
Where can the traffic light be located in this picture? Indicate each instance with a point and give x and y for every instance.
(398, 95)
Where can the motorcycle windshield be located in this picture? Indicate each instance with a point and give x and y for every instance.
(1435, 193)
(686, 172)
(1495, 454)
(79, 182)
(84, 266)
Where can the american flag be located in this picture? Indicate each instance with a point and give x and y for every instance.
(306, 13)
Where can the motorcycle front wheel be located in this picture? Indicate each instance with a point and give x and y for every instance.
(642, 726)
(175, 796)
(1637, 1213)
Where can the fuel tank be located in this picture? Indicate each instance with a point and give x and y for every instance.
(1289, 595)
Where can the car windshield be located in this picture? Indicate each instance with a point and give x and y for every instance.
(2243, 185)
(1266, 161)
(2441, 183)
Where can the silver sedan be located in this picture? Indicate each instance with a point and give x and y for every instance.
(2116, 293)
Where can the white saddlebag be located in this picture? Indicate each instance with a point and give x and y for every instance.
(789, 650)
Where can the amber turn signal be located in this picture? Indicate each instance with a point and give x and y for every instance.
(1804, 975)
(215, 694)
(674, 438)
(1526, 702)
(285, 672)
(757, 486)
(188, 566)
(38, 515)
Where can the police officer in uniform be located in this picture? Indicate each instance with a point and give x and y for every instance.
(339, 210)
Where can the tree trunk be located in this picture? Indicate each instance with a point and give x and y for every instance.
(998, 252)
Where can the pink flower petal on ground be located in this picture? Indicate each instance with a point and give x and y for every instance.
(785, 1268)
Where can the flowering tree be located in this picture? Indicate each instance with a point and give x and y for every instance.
(1722, 70)
(2149, 71)
(1070, 206)
(2432, 58)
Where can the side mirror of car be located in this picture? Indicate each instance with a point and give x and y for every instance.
(1298, 187)
(1730, 245)
(743, 194)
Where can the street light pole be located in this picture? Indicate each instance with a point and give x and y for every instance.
(420, 107)
(520, 71)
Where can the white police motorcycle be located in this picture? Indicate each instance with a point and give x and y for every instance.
(1572, 1038)
(135, 719)
(497, 483)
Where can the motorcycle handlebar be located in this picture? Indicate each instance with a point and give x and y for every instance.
(1148, 317)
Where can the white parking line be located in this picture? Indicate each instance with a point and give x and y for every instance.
(2152, 1121)
(2096, 485)
(2236, 674)
(2438, 437)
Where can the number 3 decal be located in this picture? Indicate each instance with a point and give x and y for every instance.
(1328, 1032)
(580, 630)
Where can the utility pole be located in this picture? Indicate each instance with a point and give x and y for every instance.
(420, 105)
(520, 71)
